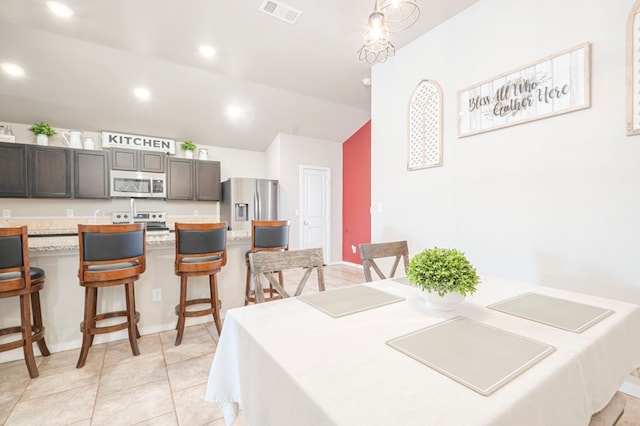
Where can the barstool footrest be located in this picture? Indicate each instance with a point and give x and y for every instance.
(109, 328)
(36, 335)
(198, 312)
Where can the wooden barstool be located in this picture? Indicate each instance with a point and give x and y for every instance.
(200, 251)
(18, 279)
(110, 255)
(266, 235)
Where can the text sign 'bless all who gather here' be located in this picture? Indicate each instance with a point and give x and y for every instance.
(147, 143)
(554, 85)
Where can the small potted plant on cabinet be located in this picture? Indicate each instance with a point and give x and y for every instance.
(188, 147)
(444, 276)
(42, 131)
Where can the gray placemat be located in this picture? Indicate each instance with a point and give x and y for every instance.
(559, 313)
(481, 357)
(349, 300)
(402, 280)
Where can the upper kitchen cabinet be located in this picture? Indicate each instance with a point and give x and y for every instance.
(193, 179)
(180, 177)
(90, 174)
(137, 160)
(49, 172)
(207, 180)
(13, 170)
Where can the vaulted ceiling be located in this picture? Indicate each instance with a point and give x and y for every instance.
(302, 79)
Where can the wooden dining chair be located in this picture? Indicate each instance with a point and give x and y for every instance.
(370, 252)
(266, 235)
(265, 264)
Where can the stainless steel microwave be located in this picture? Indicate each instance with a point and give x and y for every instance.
(138, 184)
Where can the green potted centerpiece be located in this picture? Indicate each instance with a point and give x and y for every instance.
(188, 147)
(42, 131)
(444, 276)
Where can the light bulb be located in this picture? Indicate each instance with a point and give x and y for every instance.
(13, 69)
(60, 9)
(142, 93)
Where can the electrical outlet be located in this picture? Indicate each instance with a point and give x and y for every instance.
(196, 212)
(156, 295)
(69, 212)
(353, 249)
(6, 212)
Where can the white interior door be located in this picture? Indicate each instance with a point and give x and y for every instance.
(315, 208)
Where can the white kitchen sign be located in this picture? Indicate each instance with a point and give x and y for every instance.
(554, 85)
(147, 143)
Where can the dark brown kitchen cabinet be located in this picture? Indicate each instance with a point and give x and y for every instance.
(180, 175)
(207, 180)
(193, 179)
(49, 172)
(136, 160)
(90, 174)
(13, 170)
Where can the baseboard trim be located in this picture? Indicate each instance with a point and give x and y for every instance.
(350, 264)
(631, 386)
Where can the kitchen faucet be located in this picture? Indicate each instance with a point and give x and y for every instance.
(95, 215)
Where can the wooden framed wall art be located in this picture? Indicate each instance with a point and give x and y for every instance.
(554, 85)
(425, 126)
(633, 70)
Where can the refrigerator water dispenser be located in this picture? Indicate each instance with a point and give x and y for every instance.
(242, 212)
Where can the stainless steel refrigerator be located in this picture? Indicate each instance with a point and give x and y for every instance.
(247, 199)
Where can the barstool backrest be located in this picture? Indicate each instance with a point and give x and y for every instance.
(14, 259)
(111, 251)
(270, 235)
(200, 246)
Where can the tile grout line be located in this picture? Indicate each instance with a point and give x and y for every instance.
(166, 371)
(95, 399)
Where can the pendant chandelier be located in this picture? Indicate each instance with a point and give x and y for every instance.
(377, 47)
(400, 14)
(389, 16)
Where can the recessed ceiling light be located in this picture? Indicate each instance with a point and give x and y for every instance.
(13, 69)
(207, 51)
(142, 93)
(59, 9)
(234, 111)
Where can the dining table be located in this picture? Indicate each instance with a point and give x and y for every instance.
(491, 361)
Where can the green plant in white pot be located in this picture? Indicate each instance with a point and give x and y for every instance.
(445, 277)
(42, 131)
(188, 147)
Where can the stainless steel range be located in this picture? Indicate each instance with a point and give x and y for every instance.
(155, 220)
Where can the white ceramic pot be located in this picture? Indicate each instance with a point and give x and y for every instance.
(448, 302)
(42, 139)
(188, 154)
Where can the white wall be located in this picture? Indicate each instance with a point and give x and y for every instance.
(296, 151)
(555, 201)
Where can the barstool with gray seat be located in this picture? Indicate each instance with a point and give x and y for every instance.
(110, 255)
(266, 235)
(19, 279)
(200, 251)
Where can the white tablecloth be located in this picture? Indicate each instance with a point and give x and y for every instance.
(287, 363)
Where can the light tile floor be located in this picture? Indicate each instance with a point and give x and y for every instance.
(164, 385)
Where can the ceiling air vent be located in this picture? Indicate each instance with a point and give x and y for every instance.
(280, 10)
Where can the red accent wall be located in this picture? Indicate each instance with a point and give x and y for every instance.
(356, 192)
